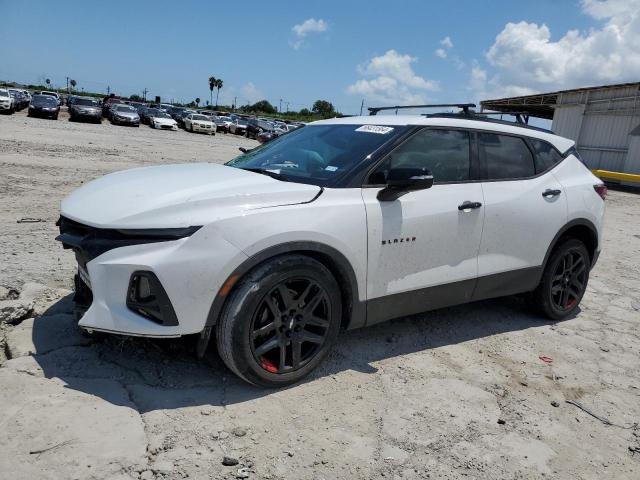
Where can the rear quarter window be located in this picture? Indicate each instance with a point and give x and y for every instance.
(546, 155)
(505, 157)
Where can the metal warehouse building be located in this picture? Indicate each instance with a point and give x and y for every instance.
(604, 121)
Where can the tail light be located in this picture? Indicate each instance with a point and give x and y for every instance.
(601, 189)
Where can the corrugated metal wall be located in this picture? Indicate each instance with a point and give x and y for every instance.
(600, 121)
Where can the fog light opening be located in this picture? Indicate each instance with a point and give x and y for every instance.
(147, 297)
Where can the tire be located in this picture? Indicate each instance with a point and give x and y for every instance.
(278, 286)
(564, 280)
(55, 117)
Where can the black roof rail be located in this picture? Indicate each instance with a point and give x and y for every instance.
(521, 119)
(464, 106)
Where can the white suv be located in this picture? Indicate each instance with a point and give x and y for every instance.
(6, 101)
(340, 224)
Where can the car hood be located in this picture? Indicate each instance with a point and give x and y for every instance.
(92, 108)
(126, 114)
(172, 196)
(167, 121)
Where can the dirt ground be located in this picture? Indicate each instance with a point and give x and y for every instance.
(456, 393)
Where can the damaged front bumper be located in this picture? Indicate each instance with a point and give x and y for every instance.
(155, 283)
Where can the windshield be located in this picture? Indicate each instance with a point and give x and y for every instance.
(200, 117)
(161, 115)
(125, 108)
(44, 100)
(86, 102)
(4, 93)
(317, 154)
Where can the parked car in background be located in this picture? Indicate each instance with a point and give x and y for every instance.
(238, 127)
(223, 124)
(124, 115)
(140, 108)
(51, 94)
(46, 106)
(85, 108)
(146, 113)
(196, 122)
(165, 107)
(19, 98)
(256, 126)
(108, 103)
(6, 101)
(176, 112)
(162, 120)
(180, 117)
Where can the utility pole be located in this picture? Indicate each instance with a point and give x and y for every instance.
(235, 103)
(361, 107)
(280, 107)
(144, 94)
(287, 103)
(67, 84)
(108, 90)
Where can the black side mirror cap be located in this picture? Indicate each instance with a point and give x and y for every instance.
(404, 180)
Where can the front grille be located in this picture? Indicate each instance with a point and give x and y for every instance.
(89, 242)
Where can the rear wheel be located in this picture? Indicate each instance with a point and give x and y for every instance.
(280, 321)
(564, 280)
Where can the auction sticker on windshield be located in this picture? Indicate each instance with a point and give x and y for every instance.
(374, 129)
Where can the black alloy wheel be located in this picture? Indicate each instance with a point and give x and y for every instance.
(569, 280)
(280, 321)
(564, 280)
(290, 325)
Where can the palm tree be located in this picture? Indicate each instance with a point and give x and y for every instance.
(219, 84)
(213, 81)
(48, 81)
(73, 83)
(197, 100)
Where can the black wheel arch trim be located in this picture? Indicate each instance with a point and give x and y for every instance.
(354, 315)
(578, 222)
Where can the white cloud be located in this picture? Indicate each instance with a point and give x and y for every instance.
(441, 52)
(446, 42)
(527, 59)
(250, 93)
(301, 30)
(391, 79)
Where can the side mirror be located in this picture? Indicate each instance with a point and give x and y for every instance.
(405, 180)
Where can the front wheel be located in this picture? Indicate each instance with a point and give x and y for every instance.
(564, 280)
(280, 321)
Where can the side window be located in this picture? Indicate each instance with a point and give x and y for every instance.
(505, 157)
(546, 155)
(444, 152)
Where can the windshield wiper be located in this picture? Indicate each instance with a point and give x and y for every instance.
(270, 173)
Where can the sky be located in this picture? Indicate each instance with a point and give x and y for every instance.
(347, 52)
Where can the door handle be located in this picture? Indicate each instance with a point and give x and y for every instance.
(467, 205)
(548, 193)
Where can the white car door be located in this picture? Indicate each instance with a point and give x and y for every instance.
(423, 247)
(524, 208)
